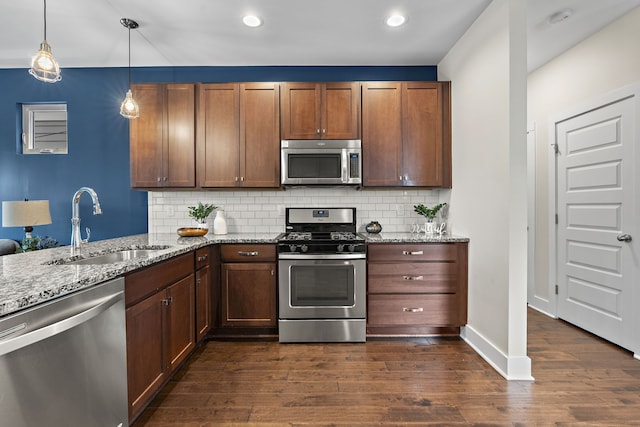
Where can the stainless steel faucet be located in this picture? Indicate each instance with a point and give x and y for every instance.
(76, 238)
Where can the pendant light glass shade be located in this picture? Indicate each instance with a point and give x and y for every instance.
(44, 66)
(129, 108)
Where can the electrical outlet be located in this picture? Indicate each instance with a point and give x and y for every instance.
(400, 210)
(170, 211)
(280, 210)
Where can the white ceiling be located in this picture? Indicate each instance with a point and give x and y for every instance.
(88, 33)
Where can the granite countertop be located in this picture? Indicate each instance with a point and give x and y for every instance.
(32, 278)
(413, 238)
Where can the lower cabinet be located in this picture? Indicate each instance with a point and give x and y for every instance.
(204, 297)
(416, 289)
(161, 329)
(248, 287)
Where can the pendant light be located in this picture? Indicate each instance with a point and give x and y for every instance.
(44, 66)
(129, 108)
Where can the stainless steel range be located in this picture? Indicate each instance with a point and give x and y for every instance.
(322, 277)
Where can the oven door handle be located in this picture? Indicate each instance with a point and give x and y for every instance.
(322, 256)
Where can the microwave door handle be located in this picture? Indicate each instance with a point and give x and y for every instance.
(345, 162)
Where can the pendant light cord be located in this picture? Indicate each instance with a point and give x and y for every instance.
(129, 56)
(45, 19)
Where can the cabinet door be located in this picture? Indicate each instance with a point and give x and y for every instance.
(180, 141)
(381, 134)
(422, 139)
(145, 350)
(218, 135)
(203, 303)
(340, 110)
(146, 135)
(181, 321)
(260, 135)
(249, 294)
(301, 106)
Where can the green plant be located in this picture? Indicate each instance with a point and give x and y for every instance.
(426, 212)
(201, 212)
(35, 243)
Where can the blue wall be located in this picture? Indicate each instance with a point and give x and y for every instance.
(99, 137)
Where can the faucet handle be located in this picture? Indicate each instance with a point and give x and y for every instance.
(88, 235)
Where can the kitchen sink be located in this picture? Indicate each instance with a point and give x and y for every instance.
(110, 257)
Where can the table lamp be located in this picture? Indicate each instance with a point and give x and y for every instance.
(26, 214)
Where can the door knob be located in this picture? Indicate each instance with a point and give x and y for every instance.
(624, 238)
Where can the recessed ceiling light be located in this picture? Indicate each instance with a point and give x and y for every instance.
(395, 20)
(252, 21)
(560, 16)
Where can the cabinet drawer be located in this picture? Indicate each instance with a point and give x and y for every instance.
(424, 310)
(145, 282)
(248, 253)
(412, 252)
(202, 257)
(413, 278)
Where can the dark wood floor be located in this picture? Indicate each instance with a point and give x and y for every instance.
(579, 380)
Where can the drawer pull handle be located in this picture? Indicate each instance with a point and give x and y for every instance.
(412, 252)
(412, 277)
(245, 253)
(202, 258)
(412, 309)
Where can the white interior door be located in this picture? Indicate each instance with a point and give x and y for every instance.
(596, 212)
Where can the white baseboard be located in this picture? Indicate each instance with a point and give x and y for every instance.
(540, 310)
(512, 368)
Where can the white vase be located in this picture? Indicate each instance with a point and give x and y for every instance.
(220, 223)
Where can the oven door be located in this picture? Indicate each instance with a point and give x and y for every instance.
(322, 286)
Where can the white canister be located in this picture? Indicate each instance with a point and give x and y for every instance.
(220, 223)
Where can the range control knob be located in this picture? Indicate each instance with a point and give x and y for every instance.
(340, 248)
(292, 248)
(352, 248)
(304, 248)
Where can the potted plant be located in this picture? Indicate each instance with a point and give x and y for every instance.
(429, 214)
(201, 212)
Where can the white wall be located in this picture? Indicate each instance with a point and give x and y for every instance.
(608, 60)
(487, 68)
(263, 211)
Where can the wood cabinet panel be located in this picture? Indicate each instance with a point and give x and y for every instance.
(408, 252)
(381, 134)
(406, 134)
(218, 137)
(162, 139)
(146, 344)
(432, 310)
(203, 303)
(416, 288)
(249, 294)
(147, 281)
(239, 135)
(181, 321)
(320, 110)
(416, 278)
(248, 253)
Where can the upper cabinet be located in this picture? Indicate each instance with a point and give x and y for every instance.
(321, 110)
(162, 139)
(406, 134)
(238, 135)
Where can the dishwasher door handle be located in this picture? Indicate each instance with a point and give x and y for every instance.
(102, 305)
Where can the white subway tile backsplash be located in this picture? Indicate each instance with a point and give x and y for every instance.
(263, 211)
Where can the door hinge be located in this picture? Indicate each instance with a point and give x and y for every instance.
(556, 149)
(556, 289)
(556, 219)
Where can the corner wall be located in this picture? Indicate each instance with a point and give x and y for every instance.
(487, 69)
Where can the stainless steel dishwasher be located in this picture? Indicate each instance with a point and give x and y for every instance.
(63, 363)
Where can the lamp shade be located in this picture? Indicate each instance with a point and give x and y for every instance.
(25, 213)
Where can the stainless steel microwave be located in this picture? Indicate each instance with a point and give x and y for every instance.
(321, 162)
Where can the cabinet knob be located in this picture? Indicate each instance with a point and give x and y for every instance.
(412, 277)
(412, 309)
(242, 179)
(412, 252)
(159, 179)
(202, 258)
(318, 131)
